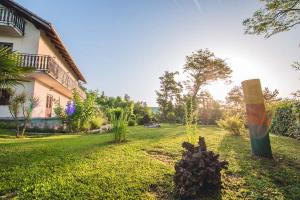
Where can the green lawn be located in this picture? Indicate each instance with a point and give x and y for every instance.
(91, 167)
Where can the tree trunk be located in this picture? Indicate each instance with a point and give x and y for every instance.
(257, 118)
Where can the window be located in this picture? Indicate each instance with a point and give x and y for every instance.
(49, 104)
(6, 45)
(4, 97)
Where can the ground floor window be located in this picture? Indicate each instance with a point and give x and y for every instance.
(4, 97)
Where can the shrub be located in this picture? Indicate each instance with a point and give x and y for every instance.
(119, 124)
(171, 117)
(198, 170)
(132, 117)
(285, 120)
(5, 124)
(140, 120)
(86, 126)
(96, 122)
(233, 124)
(131, 122)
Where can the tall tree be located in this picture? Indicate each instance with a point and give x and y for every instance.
(235, 97)
(209, 110)
(271, 96)
(202, 68)
(170, 90)
(235, 102)
(276, 16)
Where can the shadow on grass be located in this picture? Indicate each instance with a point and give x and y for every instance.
(264, 177)
(35, 151)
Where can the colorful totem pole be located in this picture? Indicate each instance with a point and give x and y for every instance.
(257, 118)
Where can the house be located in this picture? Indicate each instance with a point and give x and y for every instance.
(56, 74)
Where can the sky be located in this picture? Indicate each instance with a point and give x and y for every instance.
(123, 46)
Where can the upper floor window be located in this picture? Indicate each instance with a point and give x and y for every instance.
(4, 97)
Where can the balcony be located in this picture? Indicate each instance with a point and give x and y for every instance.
(56, 77)
(11, 24)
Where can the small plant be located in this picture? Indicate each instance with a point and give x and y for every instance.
(234, 125)
(119, 124)
(190, 122)
(97, 122)
(21, 105)
(198, 170)
(131, 122)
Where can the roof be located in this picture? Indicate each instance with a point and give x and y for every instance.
(49, 30)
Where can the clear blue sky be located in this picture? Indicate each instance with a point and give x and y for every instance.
(123, 46)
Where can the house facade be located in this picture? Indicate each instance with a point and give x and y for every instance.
(55, 75)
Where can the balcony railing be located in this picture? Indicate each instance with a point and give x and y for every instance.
(9, 18)
(47, 64)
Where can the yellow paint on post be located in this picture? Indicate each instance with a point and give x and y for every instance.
(252, 92)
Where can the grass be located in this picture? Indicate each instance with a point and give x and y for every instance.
(91, 167)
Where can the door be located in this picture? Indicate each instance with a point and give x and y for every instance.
(49, 105)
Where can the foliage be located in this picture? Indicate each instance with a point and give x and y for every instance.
(11, 74)
(198, 170)
(106, 104)
(286, 119)
(209, 110)
(96, 122)
(235, 98)
(139, 108)
(119, 124)
(233, 124)
(140, 120)
(277, 16)
(271, 96)
(190, 121)
(168, 95)
(21, 105)
(202, 68)
(131, 122)
(81, 114)
(55, 166)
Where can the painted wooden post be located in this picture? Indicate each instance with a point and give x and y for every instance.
(257, 118)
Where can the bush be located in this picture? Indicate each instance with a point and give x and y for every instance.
(96, 122)
(198, 170)
(234, 125)
(86, 126)
(6, 124)
(285, 120)
(132, 117)
(140, 120)
(119, 124)
(131, 122)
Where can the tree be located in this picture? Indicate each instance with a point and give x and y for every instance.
(277, 16)
(22, 104)
(169, 92)
(209, 110)
(11, 74)
(296, 95)
(202, 68)
(235, 97)
(271, 96)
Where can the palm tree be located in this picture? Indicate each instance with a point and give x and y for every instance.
(11, 74)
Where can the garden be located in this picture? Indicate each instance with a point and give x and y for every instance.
(191, 146)
(91, 167)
